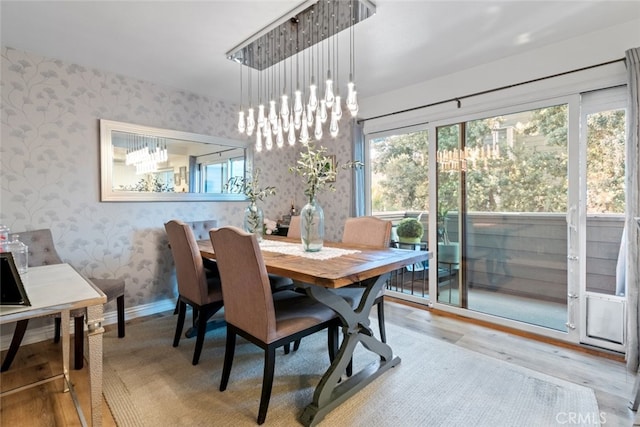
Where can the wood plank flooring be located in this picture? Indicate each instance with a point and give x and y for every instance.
(604, 372)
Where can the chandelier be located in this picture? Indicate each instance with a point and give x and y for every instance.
(145, 152)
(461, 159)
(293, 74)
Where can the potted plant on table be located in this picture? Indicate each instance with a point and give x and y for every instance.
(319, 173)
(410, 230)
(253, 214)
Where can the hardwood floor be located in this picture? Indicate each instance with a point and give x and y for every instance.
(604, 372)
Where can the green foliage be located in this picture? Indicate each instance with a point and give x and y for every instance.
(402, 161)
(150, 182)
(410, 227)
(315, 167)
(529, 176)
(606, 162)
(250, 187)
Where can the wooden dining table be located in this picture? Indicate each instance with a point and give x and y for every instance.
(320, 278)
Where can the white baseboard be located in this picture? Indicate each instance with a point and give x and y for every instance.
(42, 333)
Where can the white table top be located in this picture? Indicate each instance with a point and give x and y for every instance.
(51, 289)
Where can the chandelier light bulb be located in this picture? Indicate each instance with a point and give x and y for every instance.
(285, 122)
(279, 135)
(268, 138)
(352, 99)
(304, 131)
(251, 122)
(337, 107)
(241, 122)
(323, 111)
(318, 130)
(328, 95)
(298, 109)
(273, 116)
(291, 137)
(333, 126)
(284, 106)
(297, 121)
(258, 140)
(313, 97)
(309, 116)
(261, 118)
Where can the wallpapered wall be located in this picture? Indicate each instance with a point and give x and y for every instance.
(50, 169)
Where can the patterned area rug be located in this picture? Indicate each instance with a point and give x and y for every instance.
(147, 382)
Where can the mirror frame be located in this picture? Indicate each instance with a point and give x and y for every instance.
(106, 162)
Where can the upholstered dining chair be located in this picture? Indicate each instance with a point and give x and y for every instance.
(294, 227)
(201, 232)
(367, 231)
(269, 320)
(201, 291)
(42, 251)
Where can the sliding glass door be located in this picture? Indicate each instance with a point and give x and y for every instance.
(502, 188)
(523, 211)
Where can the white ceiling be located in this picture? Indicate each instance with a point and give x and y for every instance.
(182, 44)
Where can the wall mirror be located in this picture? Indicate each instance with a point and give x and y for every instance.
(142, 163)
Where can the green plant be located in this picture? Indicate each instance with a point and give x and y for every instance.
(250, 187)
(317, 169)
(150, 182)
(410, 228)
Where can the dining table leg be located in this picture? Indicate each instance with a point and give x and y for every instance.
(333, 389)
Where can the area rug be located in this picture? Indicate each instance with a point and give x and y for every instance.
(147, 382)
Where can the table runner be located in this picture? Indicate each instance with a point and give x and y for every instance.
(296, 249)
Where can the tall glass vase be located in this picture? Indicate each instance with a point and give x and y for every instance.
(254, 220)
(312, 226)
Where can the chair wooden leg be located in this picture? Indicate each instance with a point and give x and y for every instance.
(286, 348)
(383, 334)
(56, 330)
(120, 304)
(177, 309)
(267, 382)
(228, 358)
(202, 329)
(296, 344)
(182, 307)
(78, 342)
(18, 334)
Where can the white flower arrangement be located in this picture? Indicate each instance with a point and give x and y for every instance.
(270, 226)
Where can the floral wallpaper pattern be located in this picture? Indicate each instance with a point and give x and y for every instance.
(50, 178)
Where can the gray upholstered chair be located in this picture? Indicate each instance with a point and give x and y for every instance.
(373, 232)
(201, 232)
(269, 320)
(42, 251)
(195, 287)
(294, 227)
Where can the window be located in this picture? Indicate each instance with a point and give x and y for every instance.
(399, 173)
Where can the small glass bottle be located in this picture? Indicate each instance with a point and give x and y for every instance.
(20, 254)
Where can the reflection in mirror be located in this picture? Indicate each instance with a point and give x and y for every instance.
(141, 163)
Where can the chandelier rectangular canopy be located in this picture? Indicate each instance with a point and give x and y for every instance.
(310, 23)
(294, 100)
